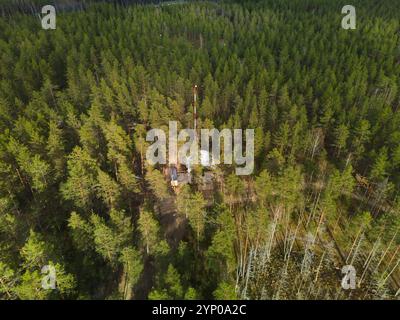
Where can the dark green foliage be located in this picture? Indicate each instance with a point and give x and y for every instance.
(77, 193)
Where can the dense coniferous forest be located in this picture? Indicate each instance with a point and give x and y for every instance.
(76, 192)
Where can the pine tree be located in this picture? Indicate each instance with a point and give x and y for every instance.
(173, 283)
(341, 136)
(149, 229)
(82, 178)
(108, 189)
(263, 186)
(7, 280)
(105, 240)
(133, 267)
(56, 149)
(157, 183)
(380, 166)
(197, 215)
(225, 291)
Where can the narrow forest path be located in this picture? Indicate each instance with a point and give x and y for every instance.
(173, 224)
(174, 227)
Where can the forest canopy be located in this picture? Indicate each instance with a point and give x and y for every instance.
(77, 194)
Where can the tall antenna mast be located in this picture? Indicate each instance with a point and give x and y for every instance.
(195, 108)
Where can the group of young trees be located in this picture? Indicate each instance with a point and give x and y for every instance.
(77, 193)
